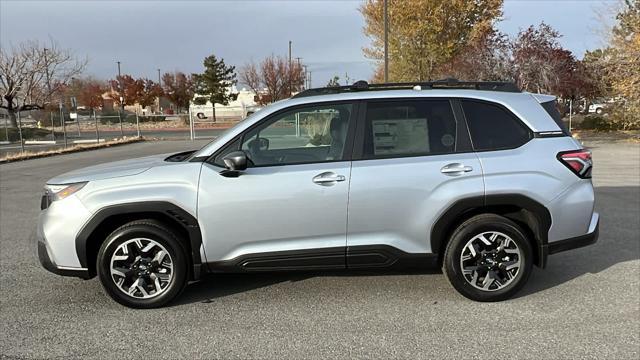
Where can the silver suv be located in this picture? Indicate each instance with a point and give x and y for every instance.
(478, 178)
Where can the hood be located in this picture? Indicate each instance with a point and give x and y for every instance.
(110, 170)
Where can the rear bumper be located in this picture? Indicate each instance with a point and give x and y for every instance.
(575, 242)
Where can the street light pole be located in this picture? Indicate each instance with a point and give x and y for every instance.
(290, 87)
(46, 72)
(121, 91)
(159, 84)
(306, 84)
(386, 43)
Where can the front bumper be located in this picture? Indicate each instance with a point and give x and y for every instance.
(45, 257)
(45, 260)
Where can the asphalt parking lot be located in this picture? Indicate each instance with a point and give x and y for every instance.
(586, 304)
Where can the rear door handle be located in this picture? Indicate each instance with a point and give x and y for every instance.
(328, 178)
(455, 169)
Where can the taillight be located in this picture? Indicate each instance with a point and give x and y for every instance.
(578, 161)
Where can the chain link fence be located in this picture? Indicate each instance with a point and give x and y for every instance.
(41, 130)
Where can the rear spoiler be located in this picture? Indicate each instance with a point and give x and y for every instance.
(543, 98)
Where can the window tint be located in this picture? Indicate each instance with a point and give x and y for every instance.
(493, 127)
(305, 135)
(552, 109)
(409, 128)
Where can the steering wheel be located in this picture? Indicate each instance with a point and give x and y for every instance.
(256, 146)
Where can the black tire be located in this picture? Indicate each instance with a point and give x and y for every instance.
(474, 226)
(149, 229)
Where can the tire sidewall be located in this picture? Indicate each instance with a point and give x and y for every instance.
(460, 239)
(163, 237)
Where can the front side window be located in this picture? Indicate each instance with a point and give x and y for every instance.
(493, 127)
(409, 128)
(305, 135)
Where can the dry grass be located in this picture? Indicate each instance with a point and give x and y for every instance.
(75, 148)
(611, 136)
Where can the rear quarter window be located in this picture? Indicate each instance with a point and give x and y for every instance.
(492, 127)
(551, 107)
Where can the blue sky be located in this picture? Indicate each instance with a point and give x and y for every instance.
(177, 35)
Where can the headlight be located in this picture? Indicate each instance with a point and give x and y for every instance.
(59, 192)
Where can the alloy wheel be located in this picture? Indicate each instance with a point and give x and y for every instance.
(490, 261)
(141, 268)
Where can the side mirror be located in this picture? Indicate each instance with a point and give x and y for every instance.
(235, 162)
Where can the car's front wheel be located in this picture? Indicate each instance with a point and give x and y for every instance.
(142, 264)
(488, 258)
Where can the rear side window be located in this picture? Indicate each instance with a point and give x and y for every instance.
(493, 127)
(552, 109)
(409, 128)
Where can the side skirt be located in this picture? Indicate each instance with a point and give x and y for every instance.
(335, 258)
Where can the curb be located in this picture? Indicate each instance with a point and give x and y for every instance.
(30, 156)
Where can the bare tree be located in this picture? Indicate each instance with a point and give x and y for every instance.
(35, 73)
(250, 76)
(273, 79)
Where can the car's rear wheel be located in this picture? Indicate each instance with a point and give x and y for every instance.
(142, 264)
(488, 258)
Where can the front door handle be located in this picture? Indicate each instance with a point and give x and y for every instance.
(328, 178)
(455, 169)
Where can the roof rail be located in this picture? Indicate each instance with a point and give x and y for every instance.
(449, 83)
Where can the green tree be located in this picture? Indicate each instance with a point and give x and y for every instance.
(178, 88)
(424, 34)
(334, 81)
(214, 84)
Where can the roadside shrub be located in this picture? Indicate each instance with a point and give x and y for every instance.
(151, 118)
(28, 134)
(127, 118)
(597, 122)
(622, 117)
(626, 115)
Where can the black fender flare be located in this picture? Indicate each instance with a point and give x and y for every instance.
(540, 222)
(187, 221)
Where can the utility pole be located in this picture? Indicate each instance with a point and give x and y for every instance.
(386, 43)
(298, 73)
(290, 87)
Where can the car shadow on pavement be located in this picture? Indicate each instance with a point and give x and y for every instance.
(619, 241)
(214, 286)
(619, 209)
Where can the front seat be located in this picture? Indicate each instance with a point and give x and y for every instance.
(338, 133)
